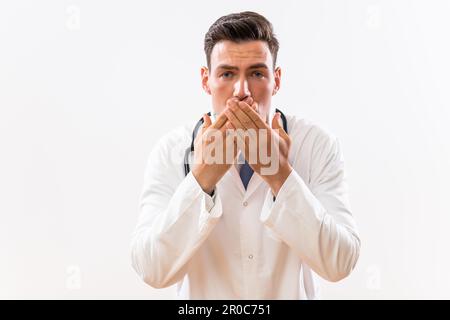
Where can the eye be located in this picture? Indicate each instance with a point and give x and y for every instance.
(227, 74)
(258, 74)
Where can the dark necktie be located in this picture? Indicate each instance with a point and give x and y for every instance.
(245, 173)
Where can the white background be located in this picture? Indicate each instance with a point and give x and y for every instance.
(87, 88)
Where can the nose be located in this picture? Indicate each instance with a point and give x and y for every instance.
(241, 90)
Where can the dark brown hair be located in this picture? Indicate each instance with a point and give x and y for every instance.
(239, 27)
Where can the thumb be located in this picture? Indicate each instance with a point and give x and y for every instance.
(206, 124)
(206, 121)
(276, 121)
(277, 126)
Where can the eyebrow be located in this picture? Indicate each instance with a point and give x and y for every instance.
(253, 66)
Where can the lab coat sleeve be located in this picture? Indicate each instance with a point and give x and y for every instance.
(316, 221)
(176, 217)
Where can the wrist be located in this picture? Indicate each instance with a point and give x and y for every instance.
(204, 183)
(276, 181)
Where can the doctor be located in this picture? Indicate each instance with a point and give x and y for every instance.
(225, 229)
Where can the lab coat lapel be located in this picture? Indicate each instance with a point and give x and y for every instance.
(236, 179)
(254, 183)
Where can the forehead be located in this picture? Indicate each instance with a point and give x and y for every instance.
(240, 53)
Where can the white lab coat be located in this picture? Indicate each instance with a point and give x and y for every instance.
(241, 244)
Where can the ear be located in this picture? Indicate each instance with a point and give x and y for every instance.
(277, 76)
(205, 77)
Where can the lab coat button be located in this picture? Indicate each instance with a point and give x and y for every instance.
(245, 203)
(250, 256)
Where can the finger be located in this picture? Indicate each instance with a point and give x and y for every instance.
(249, 100)
(229, 141)
(206, 124)
(233, 119)
(244, 144)
(276, 121)
(233, 104)
(226, 128)
(246, 121)
(230, 126)
(232, 101)
(252, 114)
(276, 124)
(236, 124)
(220, 121)
(245, 139)
(206, 121)
(208, 127)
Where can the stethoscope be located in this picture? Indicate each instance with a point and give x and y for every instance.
(190, 149)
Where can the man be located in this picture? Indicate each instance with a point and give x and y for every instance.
(227, 229)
